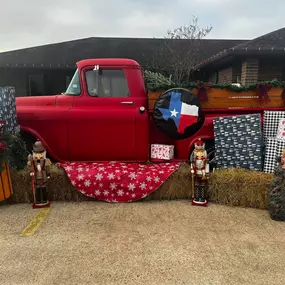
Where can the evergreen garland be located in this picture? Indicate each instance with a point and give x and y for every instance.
(156, 81)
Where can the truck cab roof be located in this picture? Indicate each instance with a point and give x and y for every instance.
(107, 61)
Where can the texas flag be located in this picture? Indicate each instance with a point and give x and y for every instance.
(184, 115)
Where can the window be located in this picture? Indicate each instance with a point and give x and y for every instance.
(107, 83)
(74, 85)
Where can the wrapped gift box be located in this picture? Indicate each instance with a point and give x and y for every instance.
(281, 129)
(162, 151)
(238, 142)
(273, 150)
(8, 109)
(271, 123)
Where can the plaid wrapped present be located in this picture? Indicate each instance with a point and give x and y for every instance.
(238, 142)
(271, 123)
(274, 148)
(8, 109)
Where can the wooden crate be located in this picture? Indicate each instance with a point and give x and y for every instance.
(6, 189)
(223, 98)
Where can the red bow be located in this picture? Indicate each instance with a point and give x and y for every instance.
(3, 145)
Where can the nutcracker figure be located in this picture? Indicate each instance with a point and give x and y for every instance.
(39, 167)
(200, 173)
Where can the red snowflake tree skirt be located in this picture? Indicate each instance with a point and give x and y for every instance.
(118, 182)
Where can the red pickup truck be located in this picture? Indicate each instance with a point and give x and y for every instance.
(104, 116)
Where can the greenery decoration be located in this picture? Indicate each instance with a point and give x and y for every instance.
(13, 151)
(155, 81)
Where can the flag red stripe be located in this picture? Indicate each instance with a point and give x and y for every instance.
(186, 121)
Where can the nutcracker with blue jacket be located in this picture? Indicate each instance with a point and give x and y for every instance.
(200, 171)
(40, 173)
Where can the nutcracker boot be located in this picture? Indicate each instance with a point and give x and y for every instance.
(200, 194)
(44, 195)
(38, 196)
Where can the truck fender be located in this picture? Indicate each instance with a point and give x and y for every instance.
(30, 136)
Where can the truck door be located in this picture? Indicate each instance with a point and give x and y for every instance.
(102, 122)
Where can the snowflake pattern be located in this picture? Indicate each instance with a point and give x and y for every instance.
(116, 182)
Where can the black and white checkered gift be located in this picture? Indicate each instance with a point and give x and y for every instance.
(238, 142)
(274, 148)
(8, 108)
(271, 123)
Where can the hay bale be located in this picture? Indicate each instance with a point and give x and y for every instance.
(233, 187)
(240, 187)
(178, 186)
(59, 187)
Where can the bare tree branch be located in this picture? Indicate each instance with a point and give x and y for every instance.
(180, 51)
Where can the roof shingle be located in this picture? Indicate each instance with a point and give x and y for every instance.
(66, 54)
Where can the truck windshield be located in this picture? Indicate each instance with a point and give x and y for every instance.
(74, 85)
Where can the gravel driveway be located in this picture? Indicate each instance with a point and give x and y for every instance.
(141, 243)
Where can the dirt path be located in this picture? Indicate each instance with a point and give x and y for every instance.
(142, 243)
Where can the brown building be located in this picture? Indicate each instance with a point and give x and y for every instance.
(260, 59)
(48, 69)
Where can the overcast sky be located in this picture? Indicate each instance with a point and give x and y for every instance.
(25, 23)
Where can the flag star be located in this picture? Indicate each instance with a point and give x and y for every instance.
(120, 193)
(106, 192)
(87, 183)
(148, 179)
(173, 113)
(97, 192)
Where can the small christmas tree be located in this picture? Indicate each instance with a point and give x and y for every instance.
(277, 193)
(12, 151)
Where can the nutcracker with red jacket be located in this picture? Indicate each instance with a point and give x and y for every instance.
(200, 173)
(39, 167)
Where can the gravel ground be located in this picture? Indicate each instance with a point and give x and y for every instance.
(141, 243)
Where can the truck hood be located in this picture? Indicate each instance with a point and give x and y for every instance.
(36, 101)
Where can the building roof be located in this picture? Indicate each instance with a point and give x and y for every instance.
(66, 54)
(270, 43)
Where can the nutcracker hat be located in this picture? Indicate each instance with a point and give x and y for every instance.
(199, 143)
(38, 147)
